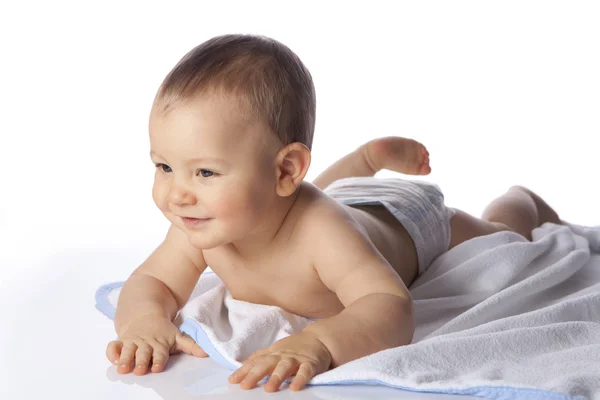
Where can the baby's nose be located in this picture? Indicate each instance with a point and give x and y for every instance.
(181, 195)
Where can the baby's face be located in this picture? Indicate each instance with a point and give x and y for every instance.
(215, 171)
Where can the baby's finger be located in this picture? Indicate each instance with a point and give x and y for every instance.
(142, 358)
(303, 376)
(241, 372)
(261, 369)
(113, 351)
(160, 356)
(284, 369)
(127, 355)
(187, 345)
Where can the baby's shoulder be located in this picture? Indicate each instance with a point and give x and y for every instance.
(320, 212)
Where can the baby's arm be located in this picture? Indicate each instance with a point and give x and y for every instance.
(150, 300)
(378, 313)
(378, 309)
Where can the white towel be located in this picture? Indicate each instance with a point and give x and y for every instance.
(497, 317)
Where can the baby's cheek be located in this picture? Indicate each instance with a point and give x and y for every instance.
(159, 196)
(226, 207)
(235, 207)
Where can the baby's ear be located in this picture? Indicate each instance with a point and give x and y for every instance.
(292, 163)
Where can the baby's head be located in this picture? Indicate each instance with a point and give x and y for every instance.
(231, 129)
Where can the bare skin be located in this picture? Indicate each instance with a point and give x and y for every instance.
(405, 156)
(398, 154)
(255, 239)
(385, 232)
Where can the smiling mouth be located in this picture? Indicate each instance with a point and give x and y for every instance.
(194, 222)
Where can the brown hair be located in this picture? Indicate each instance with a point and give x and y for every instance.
(269, 79)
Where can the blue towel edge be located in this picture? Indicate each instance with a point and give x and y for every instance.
(192, 328)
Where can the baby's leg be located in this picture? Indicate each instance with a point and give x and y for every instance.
(519, 210)
(394, 153)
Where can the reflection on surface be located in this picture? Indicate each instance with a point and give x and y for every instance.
(187, 378)
(190, 378)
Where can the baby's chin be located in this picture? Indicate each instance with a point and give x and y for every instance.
(205, 240)
(202, 243)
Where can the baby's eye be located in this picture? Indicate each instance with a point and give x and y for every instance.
(205, 173)
(164, 167)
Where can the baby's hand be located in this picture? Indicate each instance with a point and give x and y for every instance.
(302, 354)
(149, 339)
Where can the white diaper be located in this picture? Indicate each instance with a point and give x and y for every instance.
(418, 206)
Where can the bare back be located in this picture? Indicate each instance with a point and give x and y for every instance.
(284, 275)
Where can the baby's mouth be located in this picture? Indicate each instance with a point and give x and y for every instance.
(191, 222)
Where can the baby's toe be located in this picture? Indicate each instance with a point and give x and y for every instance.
(423, 162)
(425, 166)
(423, 153)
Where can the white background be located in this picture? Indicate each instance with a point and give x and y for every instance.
(501, 93)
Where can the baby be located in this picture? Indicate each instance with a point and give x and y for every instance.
(231, 130)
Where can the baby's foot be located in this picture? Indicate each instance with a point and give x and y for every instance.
(397, 154)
